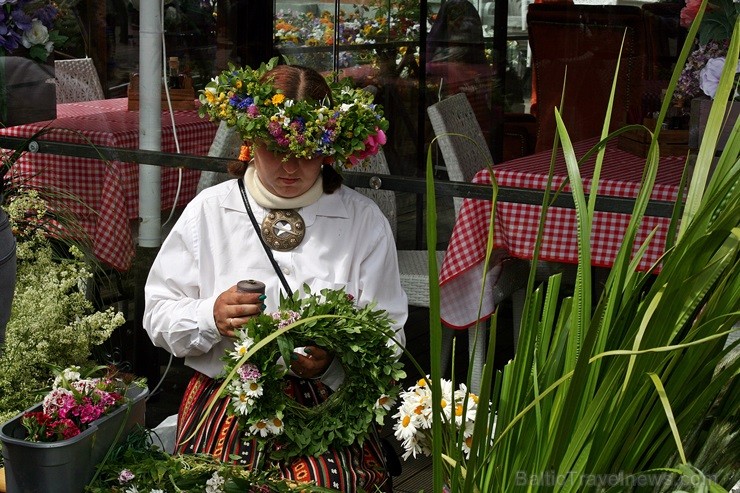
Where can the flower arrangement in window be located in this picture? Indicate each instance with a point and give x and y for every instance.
(365, 25)
(28, 26)
(73, 403)
(700, 74)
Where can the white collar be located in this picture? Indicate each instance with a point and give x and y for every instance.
(269, 200)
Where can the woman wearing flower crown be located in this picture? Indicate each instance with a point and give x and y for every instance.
(287, 202)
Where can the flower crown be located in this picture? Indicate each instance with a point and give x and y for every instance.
(345, 133)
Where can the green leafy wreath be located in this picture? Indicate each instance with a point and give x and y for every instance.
(358, 336)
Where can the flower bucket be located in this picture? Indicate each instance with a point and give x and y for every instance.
(66, 466)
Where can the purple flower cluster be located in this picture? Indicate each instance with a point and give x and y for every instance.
(16, 19)
(286, 318)
(248, 372)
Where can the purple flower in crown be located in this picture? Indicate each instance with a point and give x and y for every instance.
(282, 141)
(327, 137)
(298, 125)
(253, 111)
(243, 103)
(275, 129)
(286, 318)
(21, 19)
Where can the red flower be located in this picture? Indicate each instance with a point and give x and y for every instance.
(688, 13)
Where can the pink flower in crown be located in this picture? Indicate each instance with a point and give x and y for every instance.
(275, 129)
(286, 318)
(372, 146)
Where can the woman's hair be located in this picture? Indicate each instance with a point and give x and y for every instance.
(300, 83)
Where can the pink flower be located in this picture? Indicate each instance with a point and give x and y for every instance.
(125, 476)
(248, 371)
(372, 146)
(688, 13)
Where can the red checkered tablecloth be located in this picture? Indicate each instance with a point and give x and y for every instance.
(516, 224)
(104, 197)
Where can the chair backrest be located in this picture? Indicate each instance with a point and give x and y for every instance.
(460, 139)
(386, 199)
(586, 39)
(77, 80)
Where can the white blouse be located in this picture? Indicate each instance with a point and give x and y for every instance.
(348, 244)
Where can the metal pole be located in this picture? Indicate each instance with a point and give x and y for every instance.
(150, 120)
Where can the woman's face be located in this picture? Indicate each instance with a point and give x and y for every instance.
(289, 177)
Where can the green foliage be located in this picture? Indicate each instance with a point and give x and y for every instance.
(623, 392)
(52, 323)
(358, 336)
(150, 469)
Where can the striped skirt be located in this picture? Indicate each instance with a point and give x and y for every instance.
(359, 467)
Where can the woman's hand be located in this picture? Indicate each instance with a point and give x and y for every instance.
(233, 308)
(313, 364)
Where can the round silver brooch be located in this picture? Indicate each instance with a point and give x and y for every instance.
(283, 229)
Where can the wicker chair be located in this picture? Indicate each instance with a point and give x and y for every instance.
(465, 152)
(460, 139)
(77, 80)
(412, 264)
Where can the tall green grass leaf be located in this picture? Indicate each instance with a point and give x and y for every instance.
(669, 414)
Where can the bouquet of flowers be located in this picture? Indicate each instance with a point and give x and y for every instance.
(413, 427)
(360, 337)
(29, 24)
(73, 403)
(700, 74)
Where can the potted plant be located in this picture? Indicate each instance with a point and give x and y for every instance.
(57, 444)
(52, 322)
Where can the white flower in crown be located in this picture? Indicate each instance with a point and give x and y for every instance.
(384, 402)
(241, 346)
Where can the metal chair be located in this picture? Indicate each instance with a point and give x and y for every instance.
(77, 80)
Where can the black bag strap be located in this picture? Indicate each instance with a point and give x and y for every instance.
(268, 250)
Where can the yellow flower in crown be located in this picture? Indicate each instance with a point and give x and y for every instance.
(346, 132)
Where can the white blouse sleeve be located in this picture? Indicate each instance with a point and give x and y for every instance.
(175, 317)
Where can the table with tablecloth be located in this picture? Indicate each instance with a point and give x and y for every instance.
(104, 196)
(516, 224)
